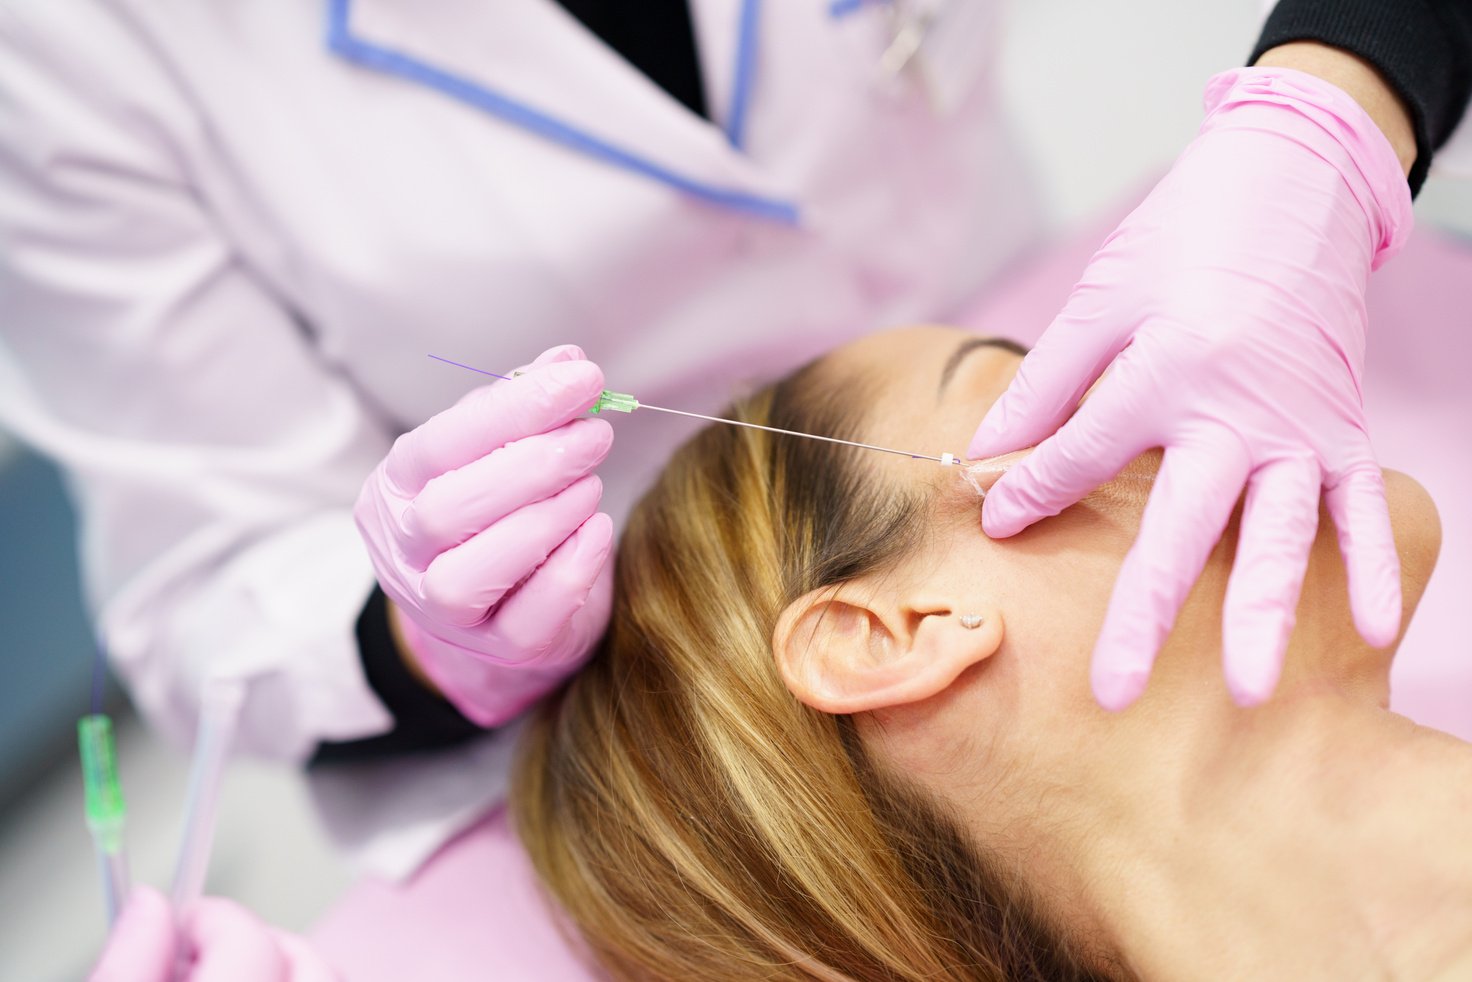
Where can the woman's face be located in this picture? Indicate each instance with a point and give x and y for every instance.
(929, 387)
(998, 724)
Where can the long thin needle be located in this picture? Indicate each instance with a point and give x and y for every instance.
(735, 422)
(809, 436)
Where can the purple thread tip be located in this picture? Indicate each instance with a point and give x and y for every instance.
(470, 368)
(99, 678)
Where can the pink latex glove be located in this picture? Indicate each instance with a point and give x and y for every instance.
(484, 530)
(220, 941)
(1229, 310)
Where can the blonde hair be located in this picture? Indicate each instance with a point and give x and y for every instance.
(690, 816)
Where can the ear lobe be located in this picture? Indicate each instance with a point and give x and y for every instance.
(842, 656)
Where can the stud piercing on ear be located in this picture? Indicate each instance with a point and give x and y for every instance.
(972, 621)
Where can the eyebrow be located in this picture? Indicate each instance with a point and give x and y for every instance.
(968, 346)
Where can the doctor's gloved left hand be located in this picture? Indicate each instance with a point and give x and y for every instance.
(484, 530)
(1229, 313)
(218, 941)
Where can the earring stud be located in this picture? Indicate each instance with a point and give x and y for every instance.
(972, 621)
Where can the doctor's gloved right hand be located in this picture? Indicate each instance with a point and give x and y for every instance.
(484, 530)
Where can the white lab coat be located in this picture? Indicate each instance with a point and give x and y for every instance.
(226, 251)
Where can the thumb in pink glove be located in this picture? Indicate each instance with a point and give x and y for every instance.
(1229, 310)
(219, 941)
(483, 529)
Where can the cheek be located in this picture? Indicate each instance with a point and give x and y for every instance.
(1053, 598)
(1051, 583)
(1416, 524)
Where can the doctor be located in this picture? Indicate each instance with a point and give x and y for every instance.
(231, 233)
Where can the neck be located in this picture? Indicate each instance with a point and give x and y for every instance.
(1318, 836)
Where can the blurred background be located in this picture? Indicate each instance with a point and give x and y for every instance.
(1105, 94)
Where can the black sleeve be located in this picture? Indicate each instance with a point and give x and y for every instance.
(1423, 48)
(422, 719)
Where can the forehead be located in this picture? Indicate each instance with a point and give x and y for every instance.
(898, 347)
(900, 370)
(893, 379)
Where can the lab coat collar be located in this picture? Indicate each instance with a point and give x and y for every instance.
(530, 64)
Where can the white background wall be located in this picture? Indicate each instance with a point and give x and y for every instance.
(1107, 92)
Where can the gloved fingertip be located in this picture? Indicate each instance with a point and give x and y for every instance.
(1115, 690)
(1253, 649)
(594, 539)
(600, 435)
(210, 916)
(987, 441)
(1254, 686)
(229, 941)
(579, 376)
(303, 962)
(1375, 598)
(1381, 626)
(143, 942)
(1000, 518)
(144, 901)
(1248, 695)
(561, 352)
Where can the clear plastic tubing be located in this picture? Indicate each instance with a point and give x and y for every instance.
(219, 709)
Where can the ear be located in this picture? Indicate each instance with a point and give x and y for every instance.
(853, 648)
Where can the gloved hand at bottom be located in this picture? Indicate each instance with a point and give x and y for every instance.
(218, 941)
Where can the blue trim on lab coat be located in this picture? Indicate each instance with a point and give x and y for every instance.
(745, 61)
(345, 44)
(842, 8)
